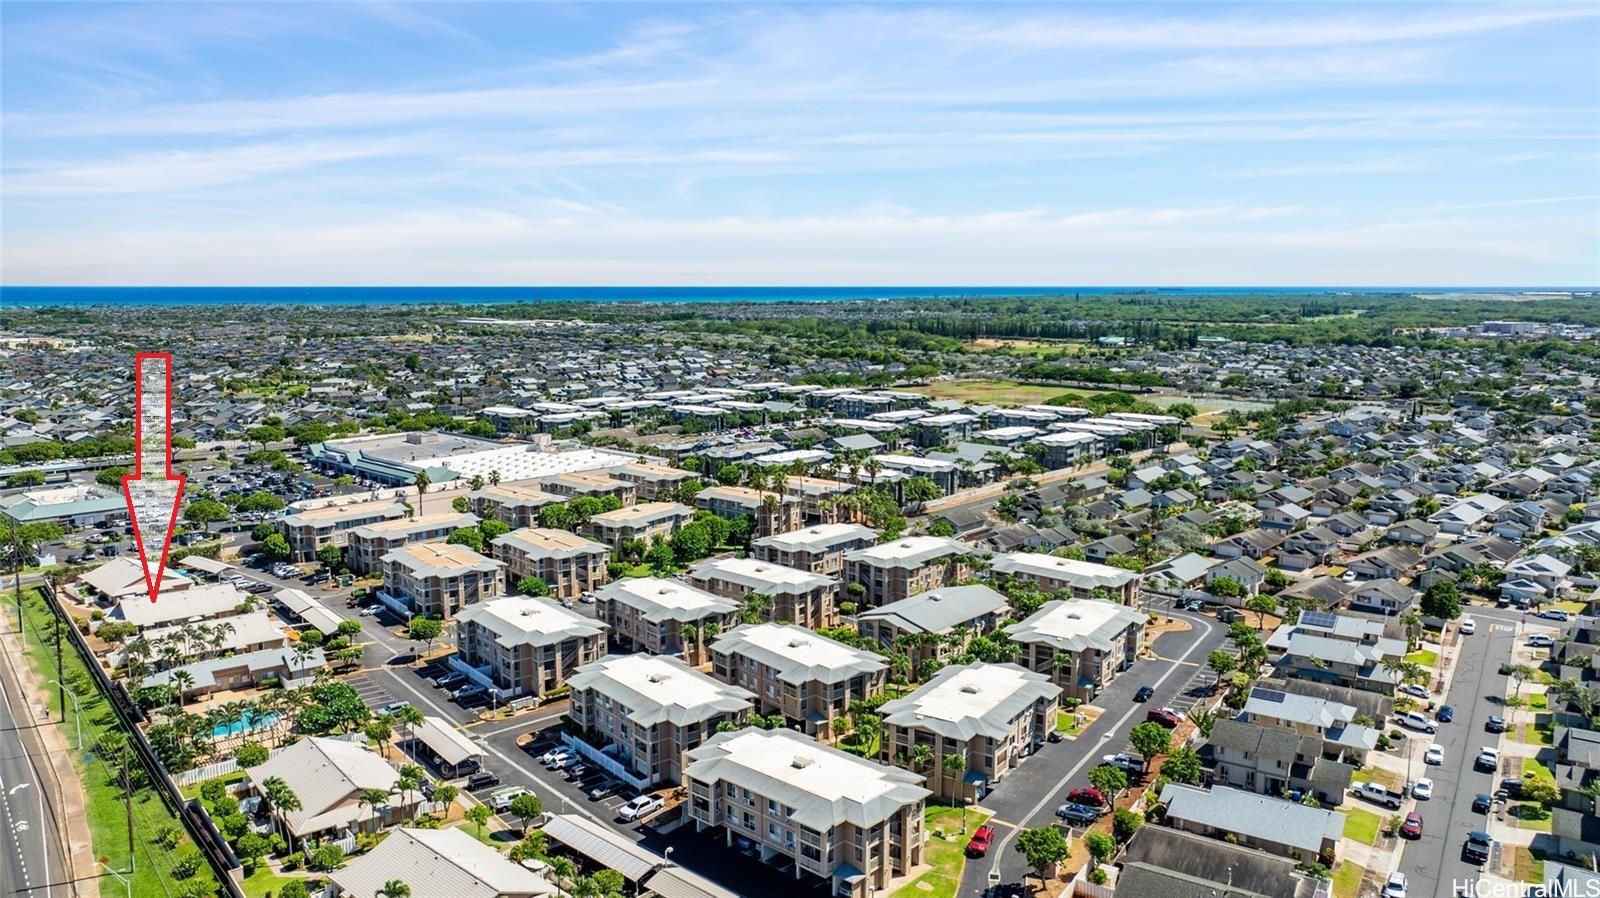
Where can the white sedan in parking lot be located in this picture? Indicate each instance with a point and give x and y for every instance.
(1415, 691)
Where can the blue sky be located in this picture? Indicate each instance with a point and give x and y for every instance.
(1210, 143)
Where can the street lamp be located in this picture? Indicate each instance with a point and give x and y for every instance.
(668, 855)
(77, 712)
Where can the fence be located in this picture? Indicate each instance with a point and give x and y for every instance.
(212, 846)
(209, 771)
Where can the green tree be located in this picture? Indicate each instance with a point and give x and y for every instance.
(1151, 739)
(533, 586)
(1109, 780)
(1183, 766)
(294, 888)
(1124, 823)
(527, 808)
(1101, 846)
(478, 814)
(1263, 605)
(1044, 847)
(394, 888)
(1441, 600)
(331, 556)
(1221, 663)
(276, 546)
(204, 511)
(424, 630)
(471, 537)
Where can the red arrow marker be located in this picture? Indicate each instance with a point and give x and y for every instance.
(153, 491)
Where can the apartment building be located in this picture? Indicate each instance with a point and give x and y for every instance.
(438, 579)
(653, 483)
(588, 484)
(525, 645)
(639, 713)
(939, 623)
(846, 820)
(901, 568)
(820, 548)
(808, 678)
(796, 596)
(1081, 644)
(568, 563)
(643, 521)
(516, 506)
(371, 542)
(771, 512)
(816, 496)
(1079, 579)
(991, 716)
(664, 617)
(309, 529)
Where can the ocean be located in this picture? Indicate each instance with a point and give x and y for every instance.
(189, 296)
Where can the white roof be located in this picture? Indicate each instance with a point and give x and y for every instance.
(764, 577)
(325, 774)
(818, 537)
(657, 688)
(528, 620)
(797, 654)
(256, 628)
(449, 742)
(1076, 624)
(963, 701)
(909, 551)
(124, 576)
(206, 600)
(1082, 574)
(658, 599)
(439, 863)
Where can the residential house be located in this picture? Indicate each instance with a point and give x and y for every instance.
(820, 548)
(1079, 579)
(1274, 825)
(901, 568)
(664, 617)
(369, 543)
(438, 579)
(644, 521)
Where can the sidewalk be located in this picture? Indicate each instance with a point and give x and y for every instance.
(66, 796)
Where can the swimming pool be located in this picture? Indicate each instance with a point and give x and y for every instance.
(246, 724)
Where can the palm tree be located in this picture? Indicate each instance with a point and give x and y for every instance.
(562, 869)
(423, 481)
(494, 477)
(373, 798)
(411, 777)
(184, 681)
(394, 888)
(281, 800)
(921, 756)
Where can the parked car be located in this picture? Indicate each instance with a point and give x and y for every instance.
(1488, 759)
(1125, 762)
(1422, 789)
(1395, 887)
(1415, 721)
(1483, 803)
(471, 690)
(394, 707)
(1445, 714)
(982, 838)
(639, 807)
(449, 679)
(1477, 847)
(1089, 796)
(1412, 827)
(563, 762)
(1164, 716)
(1056, 736)
(554, 755)
(483, 779)
(1144, 694)
(1495, 725)
(1553, 614)
(1541, 641)
(1510, 787)
(1377, 794)
(1468, 626)
(1434, 754)
(1415, 691)
(1078, 814)
(603, 789)
(501, 799)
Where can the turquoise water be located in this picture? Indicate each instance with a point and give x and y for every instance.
(183, 296)
(248, 723)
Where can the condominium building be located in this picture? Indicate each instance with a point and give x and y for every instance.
(514, 505)
(797, 596)
(568, 563)
(817, 496)
(991, 716)
(853, 823)
(643, 521)
(588, 484)
(652, 483)
(820, 548)
(1082, 644)
(1079, 579)
(901, 568)
(526, 645)
(371, 542)
(938, 623)
(770, 512)
(652, 614)
(639, 713)
(808, 678)
(310, 528)
(438, 579)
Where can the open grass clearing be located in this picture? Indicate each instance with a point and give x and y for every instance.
(997, 392)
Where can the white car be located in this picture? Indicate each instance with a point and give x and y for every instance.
(1541, 641)
(1434, 754)
(1422, 789)
(1396, 886)
(1468, 626)
(639, 807)
(1415, 691)
(554, 755)
(1413, 720)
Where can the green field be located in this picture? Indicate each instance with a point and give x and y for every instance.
(996, 392)
(106, 814)
(947, 855)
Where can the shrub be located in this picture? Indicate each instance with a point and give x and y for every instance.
(186, 864)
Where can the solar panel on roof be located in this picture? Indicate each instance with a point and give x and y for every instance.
(1269, 695)
(1322, 619)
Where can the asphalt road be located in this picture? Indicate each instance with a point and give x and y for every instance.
(32, 859)
(1434, 865)
(1029, 795)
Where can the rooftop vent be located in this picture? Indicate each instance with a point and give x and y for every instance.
(801, 762)
(970, 689)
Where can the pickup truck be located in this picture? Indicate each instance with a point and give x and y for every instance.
(1379, 795)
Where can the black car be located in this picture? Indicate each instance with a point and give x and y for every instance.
(483, 779)
(1510, 787)
(1144, 694)
(1483, 803)
(1477, 847)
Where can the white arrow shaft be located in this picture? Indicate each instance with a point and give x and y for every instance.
(155, 380)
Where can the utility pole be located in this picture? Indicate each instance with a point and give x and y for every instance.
(59, 678)
(16, 568)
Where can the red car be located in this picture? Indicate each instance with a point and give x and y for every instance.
(1164, 716)
(1412, 828)
(980, 842)
(1091, 797)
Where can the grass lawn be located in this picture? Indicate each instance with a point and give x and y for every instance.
(1424, 657)
(996, 392)
(1529, 866)
(105, 811)
(1532, 816)
(1385, 778)
(1347, 880)
(1533, 770)
(1067, 721)
(947, 855)
(265, 881)
(1361, 826)
(228, 779)
(1571, 607)
(1538, 734)
(1538, 701)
